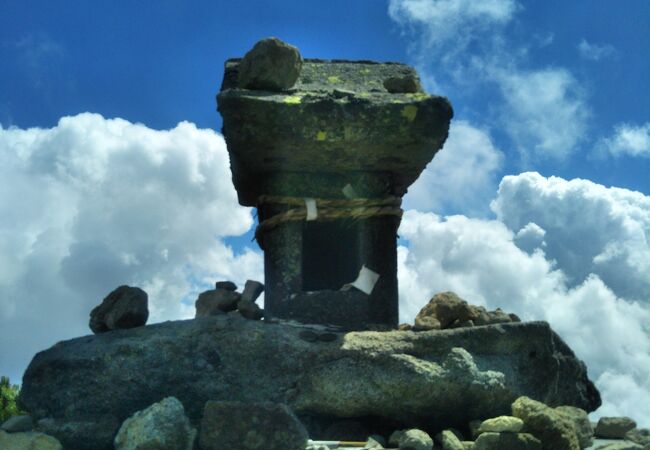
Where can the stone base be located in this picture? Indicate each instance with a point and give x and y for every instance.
(431, 380)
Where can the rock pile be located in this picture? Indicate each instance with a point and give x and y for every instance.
(446, 310)
(224, 298)
(271, 426)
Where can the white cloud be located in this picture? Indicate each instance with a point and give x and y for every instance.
(605, 324)
(462, 49)
(444, 20)
(544, 111)
(589, 228)
(461, 177)
(595, 52)
(628, 139)
(94, 203)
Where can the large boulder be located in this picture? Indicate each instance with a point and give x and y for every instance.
(90, 385)
(125, 307)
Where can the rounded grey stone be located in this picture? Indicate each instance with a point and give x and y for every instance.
(270, 65)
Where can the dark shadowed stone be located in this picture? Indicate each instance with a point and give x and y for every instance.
(16, 424)
(270, 65)
(407, 378)
(94, 434)
(125, 307)
(614, 427)
(507, 441)
(251, 426)
(580, 420)
(402, 84)
(640, 436)
(227, 285)
(249, 310)
(216, 301)
(252, 290)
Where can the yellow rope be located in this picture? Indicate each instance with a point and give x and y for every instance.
(328, 209)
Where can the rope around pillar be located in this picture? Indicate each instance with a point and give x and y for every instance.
(327, 209)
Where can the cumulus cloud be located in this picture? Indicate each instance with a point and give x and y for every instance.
(588, 228)
(544, 111)
(628, 139)
(520, 263)
(93, 203)
(441, 20)
(461, 177)
(595, 52)
(462, 48)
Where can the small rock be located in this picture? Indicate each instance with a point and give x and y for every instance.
(395, 438)
(270, 65)
(623, 445)
(412, 439)
(581, 423)
(640, 436)
(249, 310)
(375, 442)
(468, 445)
(28, 441)
(508, 441)
(441, 311)
(227, 285)
(502, 424)
(251, 426)
(554, 431)
(450, 441)
(215, 302)
(163, 426)
(252, 290)
(404, 327)
(17, 424)
(403, 84)
(498, 316)
(614, 427)
(125, 307)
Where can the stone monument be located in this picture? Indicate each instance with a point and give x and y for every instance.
(325, 150)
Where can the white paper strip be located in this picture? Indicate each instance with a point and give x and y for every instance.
(366, 280)
(349, 191)
(312, 211)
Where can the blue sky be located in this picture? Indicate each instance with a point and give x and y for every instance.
(114, 170)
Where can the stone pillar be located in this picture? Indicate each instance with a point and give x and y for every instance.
(325, 150)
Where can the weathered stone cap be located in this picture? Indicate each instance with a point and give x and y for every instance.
(340, 116)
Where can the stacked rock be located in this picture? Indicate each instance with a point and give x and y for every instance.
(125, 307)
(447, 310)
(224, 298)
